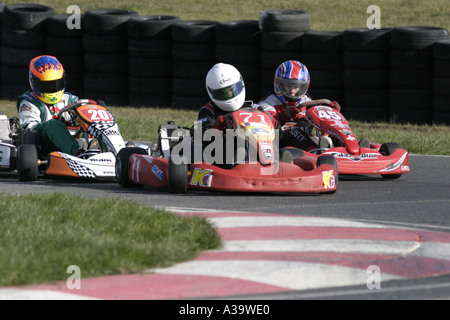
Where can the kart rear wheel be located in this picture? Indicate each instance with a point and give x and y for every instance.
(122, 163)
(331, 160)
(387, 149)
(27, 162)
(178, 177)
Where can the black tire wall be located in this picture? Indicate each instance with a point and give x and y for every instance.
(400, 74)
(23, 38)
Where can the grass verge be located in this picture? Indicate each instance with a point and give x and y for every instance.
(42, 235)
(141, 124)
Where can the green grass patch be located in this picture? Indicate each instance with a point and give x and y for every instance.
(141, 124)
(42, 235)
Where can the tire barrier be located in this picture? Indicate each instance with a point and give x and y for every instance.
(149, 60)
(193, 54)
(281, 40)
(23, 38)
(322, 53)
(412, 72)
(398, 74)
(67, 45)
(366, 75)
(238, 43)
(105, 44)
(441, 82)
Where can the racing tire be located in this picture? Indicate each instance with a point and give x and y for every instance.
(178, 177)
(295, 152)
(238, 32)
(121, 166)
(151, 26)
(108, 21)
(387, 149)
(331, 160)
(26, 16)
(27, 162)
(284, 20)
(194, 31)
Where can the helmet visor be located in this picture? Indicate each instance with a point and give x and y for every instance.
(293, 88)
(49, 86)
(227, 93)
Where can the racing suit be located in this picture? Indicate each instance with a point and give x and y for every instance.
(37, 115)
(293, 136)
(212, 117)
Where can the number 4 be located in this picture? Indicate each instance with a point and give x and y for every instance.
(329, 115)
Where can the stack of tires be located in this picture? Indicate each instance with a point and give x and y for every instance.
(412, 72)
(105, 47)
(65, 42)
(441, 82)
(23, 38)
(193, 54)
(322, 54)
(281, 40)
(367, 74)
(238, 44)
(149, 60)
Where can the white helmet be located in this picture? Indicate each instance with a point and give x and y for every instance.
(225, 87)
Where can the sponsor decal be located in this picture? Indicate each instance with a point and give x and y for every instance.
(157, 172)
(296, 133)
(394, 166)
(354, 158)
(225, 80)
(201, 177)
(111, 133)
(24, 108)
(328, 179)
(100, 160)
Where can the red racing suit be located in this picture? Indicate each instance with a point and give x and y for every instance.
(291, 136)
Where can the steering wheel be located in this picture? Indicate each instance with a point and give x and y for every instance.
(74, 105)
(313, 103)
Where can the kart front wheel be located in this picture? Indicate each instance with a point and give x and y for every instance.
(178, 177)
(387, 149)
(122, 164)
(27, 162)
(331, 160)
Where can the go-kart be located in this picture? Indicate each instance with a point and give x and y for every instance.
(8, 141)
(95, 129)
(252, 161)
(353, 157)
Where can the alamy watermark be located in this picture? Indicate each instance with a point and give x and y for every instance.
(74, 280)
(374, 21)
(230, 146)
(73, 21)
(374, 279)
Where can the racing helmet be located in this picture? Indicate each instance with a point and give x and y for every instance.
(225, 87)
(291, 81)
(47, 78)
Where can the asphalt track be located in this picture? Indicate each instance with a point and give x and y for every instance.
(291, 246)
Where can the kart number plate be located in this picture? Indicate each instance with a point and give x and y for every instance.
(94, 115)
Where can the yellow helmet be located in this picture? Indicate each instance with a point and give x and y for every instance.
(47, 78)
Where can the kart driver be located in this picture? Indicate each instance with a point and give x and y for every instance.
(291, 83)
(226, 89)
(38, 107)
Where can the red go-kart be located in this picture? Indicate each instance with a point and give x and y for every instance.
(353, 157)
(256, 163)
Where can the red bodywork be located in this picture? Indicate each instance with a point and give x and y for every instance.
(247, 177)
(265, 175)
(351, 159)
